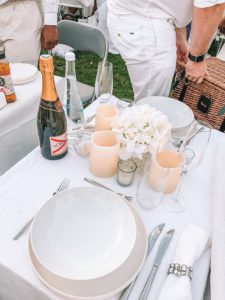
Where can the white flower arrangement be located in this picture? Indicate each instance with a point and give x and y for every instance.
(141, 129)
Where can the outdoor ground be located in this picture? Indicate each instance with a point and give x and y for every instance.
(86, 68)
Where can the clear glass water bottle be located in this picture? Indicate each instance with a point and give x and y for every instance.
(72, 102)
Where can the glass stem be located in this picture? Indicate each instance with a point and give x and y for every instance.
(176, 198)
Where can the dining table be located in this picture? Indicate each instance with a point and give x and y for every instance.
(26, 186)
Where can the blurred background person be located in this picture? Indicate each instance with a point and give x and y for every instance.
(26, 26)
(101, 14)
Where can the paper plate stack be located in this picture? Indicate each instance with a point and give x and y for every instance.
(87, 243)
(23, 73)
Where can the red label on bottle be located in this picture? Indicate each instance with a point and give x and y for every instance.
(58, 144)
(58, 105)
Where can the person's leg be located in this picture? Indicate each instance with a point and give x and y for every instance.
(148, 48)
(102, 21)
(22, 30)
(162, 64)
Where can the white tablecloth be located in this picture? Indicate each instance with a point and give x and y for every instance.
(26, 186)
(18, 130)
(218, 225)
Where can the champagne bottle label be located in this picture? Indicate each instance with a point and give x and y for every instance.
(6, 85)
(54, 106)
(58, 144)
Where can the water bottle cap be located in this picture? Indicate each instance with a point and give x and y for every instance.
(70, 56)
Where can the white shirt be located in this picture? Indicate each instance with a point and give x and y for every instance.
(179, 10)
(49, 7)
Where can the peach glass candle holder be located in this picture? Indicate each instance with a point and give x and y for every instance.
(105, 114)
(167, 168)
(104, 154)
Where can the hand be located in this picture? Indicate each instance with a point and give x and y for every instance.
(196, 72)
(49, 37)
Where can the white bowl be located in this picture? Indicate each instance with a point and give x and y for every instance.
(83, 233)
(178, 113)
(102, 287)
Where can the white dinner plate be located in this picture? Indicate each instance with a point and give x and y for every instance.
(83, 233)
(178, 113)
(103, 287)
(23, 73)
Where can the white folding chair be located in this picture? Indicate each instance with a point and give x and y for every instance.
(83, 37)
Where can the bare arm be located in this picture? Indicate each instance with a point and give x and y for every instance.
(182, 45)
(205, 22)
(49, 34)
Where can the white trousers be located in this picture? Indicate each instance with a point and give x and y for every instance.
(20, 30)
(102, 23)
(148, 47)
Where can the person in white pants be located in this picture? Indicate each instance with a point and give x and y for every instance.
(26, 26)
(102, 22)
(148, 33)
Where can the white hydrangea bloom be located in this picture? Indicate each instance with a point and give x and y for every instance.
(141, 129)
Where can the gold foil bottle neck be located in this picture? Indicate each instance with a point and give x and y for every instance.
(46, 64)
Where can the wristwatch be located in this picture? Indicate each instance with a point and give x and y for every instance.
(198, 58)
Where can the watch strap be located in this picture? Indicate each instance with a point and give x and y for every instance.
(198, 58)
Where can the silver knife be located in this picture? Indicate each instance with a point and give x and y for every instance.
(159, 256)
(152, 238)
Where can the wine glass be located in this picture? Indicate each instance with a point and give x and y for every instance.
(199, 143)
(150, 192)
(161, 177)
(104, 81)
(193, 157)
(175, 203)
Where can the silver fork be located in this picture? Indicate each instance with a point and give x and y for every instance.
(91, 181)
(63, 186)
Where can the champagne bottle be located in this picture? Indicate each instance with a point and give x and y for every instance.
(72, 103)
(6, 84)
(51, 120)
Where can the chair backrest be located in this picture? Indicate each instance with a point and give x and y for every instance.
(83, 37)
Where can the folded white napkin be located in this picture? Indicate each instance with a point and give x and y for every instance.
(61, 49)
(218, 226)
(191, 244)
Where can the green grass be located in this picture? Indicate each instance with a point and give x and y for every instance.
(86, 68)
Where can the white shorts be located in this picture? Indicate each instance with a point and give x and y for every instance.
(20, 31)
(148, 46)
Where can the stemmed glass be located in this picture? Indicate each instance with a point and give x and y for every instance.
(104, 81)
(193, 156)
(146, 196)
(175, 203)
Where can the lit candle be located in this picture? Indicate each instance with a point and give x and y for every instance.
(105, 114)
(104, 153)
(165, 171)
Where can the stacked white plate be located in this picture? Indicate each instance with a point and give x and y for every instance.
(87, 243)
(23, 73)
(178, 113)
